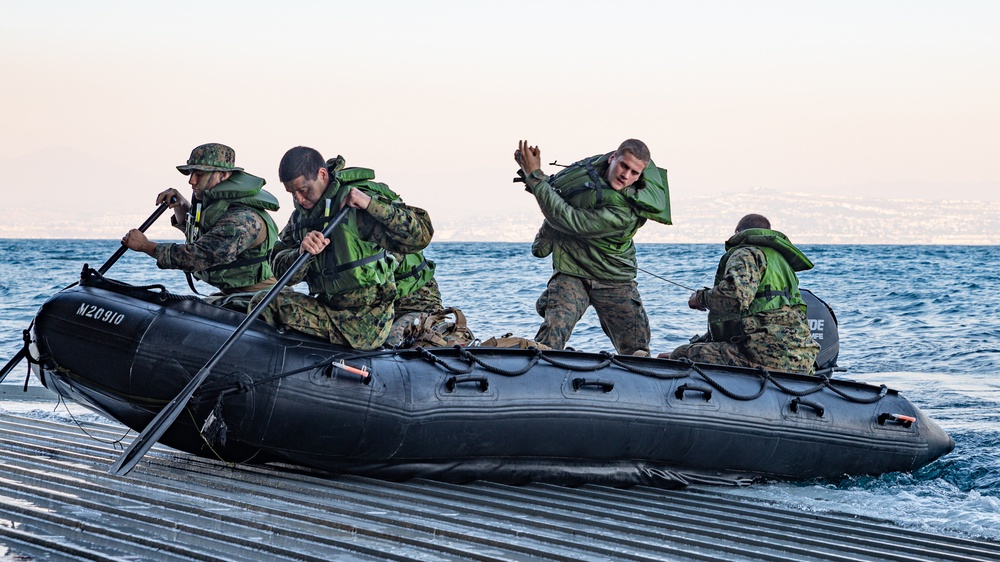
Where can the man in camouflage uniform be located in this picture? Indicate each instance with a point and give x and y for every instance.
(590, 241)
(756, 314)
(350, 275)
(229, 235)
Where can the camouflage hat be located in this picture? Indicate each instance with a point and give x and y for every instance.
(211, 157)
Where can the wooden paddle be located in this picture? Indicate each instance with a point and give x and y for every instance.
(156, 428)
(103, 269)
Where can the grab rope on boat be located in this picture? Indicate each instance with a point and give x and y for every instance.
(764, 375)
(763, 383)
(92, 277)
(470, 361)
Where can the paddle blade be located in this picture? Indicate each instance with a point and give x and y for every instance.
(152, 433)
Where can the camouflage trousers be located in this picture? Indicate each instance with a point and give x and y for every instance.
(361, 326)
(779, 340)
(399, 326)
(716, 353)
(408, 309)
(618, 306)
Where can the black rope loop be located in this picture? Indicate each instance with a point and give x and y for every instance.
(472, 360)
(767, 375)
(724, 390)
(497, 370)
(646, 372)
(435, 360)
(882, 390)
(92, 277)
(596, 367)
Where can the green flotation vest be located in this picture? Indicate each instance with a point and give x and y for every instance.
(413, 271)
(583, 185)
(778, 286)
(251, 266)
(349, 262)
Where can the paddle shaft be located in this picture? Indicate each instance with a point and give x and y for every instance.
(156, 428)
(13, 362)
(142, 228)
(21, 353)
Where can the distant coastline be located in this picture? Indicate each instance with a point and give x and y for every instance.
(806, 218)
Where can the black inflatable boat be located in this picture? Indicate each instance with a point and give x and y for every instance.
(458, 414)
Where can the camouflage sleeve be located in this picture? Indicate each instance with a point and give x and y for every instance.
(178, 225)
(284, 254)
(585, 223)
(235, 231)
(395, 226)
(739, 285)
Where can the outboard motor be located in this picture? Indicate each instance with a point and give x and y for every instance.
(823, 326)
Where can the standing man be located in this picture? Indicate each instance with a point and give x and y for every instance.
(229, 232)
(756, 315)
(592, 211)
(350, 275)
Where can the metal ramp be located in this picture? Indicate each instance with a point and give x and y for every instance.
(58, 502)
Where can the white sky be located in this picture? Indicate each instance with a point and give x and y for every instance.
(107, 97)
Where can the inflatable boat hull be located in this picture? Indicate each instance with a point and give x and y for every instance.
(460, 414)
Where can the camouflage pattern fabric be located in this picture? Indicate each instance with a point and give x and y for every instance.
(424, 299)
(211, 157)
(234, 233)
(394, 226)
(399, 327)
(776, 339)
(446, 327)
(359, 319)
(408, 309)
(618, 306)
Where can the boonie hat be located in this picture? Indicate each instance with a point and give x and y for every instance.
(211, 157)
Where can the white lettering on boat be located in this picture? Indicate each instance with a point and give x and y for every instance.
(101, 314)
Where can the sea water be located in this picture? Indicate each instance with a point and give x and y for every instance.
(920, 319)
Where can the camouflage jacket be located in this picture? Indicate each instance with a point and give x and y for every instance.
(231, 235)
(393, 226)
(785, 327)
(592, 243)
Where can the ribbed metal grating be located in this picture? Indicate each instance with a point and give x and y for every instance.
(57, 502)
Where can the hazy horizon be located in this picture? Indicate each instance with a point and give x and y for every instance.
(888, 101)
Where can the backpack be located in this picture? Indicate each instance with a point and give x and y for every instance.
(509, 340)
(438, 329)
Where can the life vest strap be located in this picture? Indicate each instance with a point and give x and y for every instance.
(769, 293)
(237, 263)
(340, 268)
(596, 178)
(413, 272)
